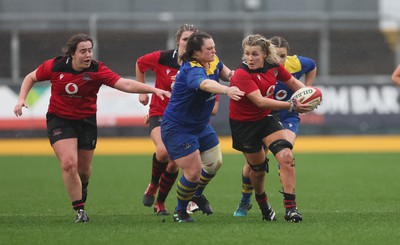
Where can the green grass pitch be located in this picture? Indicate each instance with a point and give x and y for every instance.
(344, 198)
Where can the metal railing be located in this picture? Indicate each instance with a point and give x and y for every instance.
(243, 21)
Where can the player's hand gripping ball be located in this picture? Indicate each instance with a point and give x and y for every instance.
(311, 95)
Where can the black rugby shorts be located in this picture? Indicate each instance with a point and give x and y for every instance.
(247, 136)
(85, 130)
(154, 122)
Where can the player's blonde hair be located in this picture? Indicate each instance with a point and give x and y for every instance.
(266, 46)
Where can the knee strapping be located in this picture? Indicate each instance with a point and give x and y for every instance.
(212, 159)
(260, 167)
(279, 145)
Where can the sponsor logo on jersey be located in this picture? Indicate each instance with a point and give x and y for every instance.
(71, 88)
(281, 94)
(270, 91)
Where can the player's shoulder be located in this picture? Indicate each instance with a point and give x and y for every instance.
(61, 64)
(169, 58)
(64, 64)
(193, 64)
(293, 64)
(242, 68)
(267, 66)
(292, 59)
(241, 72)
(298, 59)
(168, 52)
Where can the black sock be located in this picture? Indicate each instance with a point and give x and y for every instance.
(78, 204)
(84, 191)
(166, 182)
(157, 169)
(261, 199)
(289, 200)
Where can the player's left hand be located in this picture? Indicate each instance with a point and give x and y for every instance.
(146, 119)
(234, 93)
(18, 108)
(162, 93)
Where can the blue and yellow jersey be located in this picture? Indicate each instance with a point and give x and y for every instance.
(297, 66)
(190, 107)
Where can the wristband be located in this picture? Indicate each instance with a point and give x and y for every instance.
(293, 105)
(226, 90)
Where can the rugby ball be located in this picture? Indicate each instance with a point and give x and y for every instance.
(311, 95)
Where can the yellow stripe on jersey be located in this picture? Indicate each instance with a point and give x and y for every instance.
(292, 64)
(211, 69)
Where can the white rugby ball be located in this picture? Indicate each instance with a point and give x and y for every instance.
(311, 95)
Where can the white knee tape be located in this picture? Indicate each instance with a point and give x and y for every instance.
(212, 159)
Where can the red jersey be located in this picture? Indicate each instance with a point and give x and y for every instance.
(74, 93)
(164, 63)
(263, 79)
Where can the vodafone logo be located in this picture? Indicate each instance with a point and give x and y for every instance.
(281, 94)
(270, 91)
(71, 88)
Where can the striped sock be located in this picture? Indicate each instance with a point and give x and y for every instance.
(262, 198)
(166, 182)
(289, 200)
(184, 192)
(157, 169)
(205, 178)
(247, 189)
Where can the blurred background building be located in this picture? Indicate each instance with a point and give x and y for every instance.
(354, 42)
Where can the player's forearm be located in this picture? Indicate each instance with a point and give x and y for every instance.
(27, 85)
(133, 86)
(212, 86)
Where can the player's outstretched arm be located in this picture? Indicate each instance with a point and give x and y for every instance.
(133, 86)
